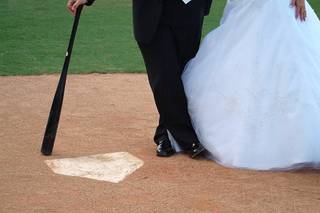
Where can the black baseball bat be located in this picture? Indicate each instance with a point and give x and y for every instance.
(54, 116)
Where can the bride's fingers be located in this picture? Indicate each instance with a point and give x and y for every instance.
(297, 12)
(293, 3)
(302, 9)
(303, 14)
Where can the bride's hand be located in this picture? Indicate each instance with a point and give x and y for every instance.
(300, 6)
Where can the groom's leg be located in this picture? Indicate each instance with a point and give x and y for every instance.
(188, 41)
(164, 72)
(161, 131)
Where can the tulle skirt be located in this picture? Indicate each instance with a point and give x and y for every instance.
(253, 89)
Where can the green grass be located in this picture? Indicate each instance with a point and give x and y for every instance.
(34, 35)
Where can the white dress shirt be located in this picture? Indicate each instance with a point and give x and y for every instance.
(186, 1)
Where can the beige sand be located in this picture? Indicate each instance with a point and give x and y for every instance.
(115, 113)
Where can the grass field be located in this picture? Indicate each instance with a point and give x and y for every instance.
(34, 35)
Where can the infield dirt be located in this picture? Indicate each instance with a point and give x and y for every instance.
(106, 113)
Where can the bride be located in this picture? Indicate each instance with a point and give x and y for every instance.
(253, 88)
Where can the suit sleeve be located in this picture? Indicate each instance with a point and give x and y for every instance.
(208, 6)
(89, 2)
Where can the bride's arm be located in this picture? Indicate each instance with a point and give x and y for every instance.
(300, 6)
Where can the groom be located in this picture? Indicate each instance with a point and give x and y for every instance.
(168, 33)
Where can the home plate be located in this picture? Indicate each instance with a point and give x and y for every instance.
(111, 167)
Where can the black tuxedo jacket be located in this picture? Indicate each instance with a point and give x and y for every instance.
(147, 15)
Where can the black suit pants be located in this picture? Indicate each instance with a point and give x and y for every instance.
(165, 58)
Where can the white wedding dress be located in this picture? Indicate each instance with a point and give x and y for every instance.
(253, 89)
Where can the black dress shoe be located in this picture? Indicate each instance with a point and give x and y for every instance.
(164, 148)
(196, 150)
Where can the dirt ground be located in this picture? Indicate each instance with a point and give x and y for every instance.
(111, 113)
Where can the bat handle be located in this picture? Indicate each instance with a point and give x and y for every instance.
(74, 30)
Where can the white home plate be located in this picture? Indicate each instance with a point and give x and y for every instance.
(112, 167)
